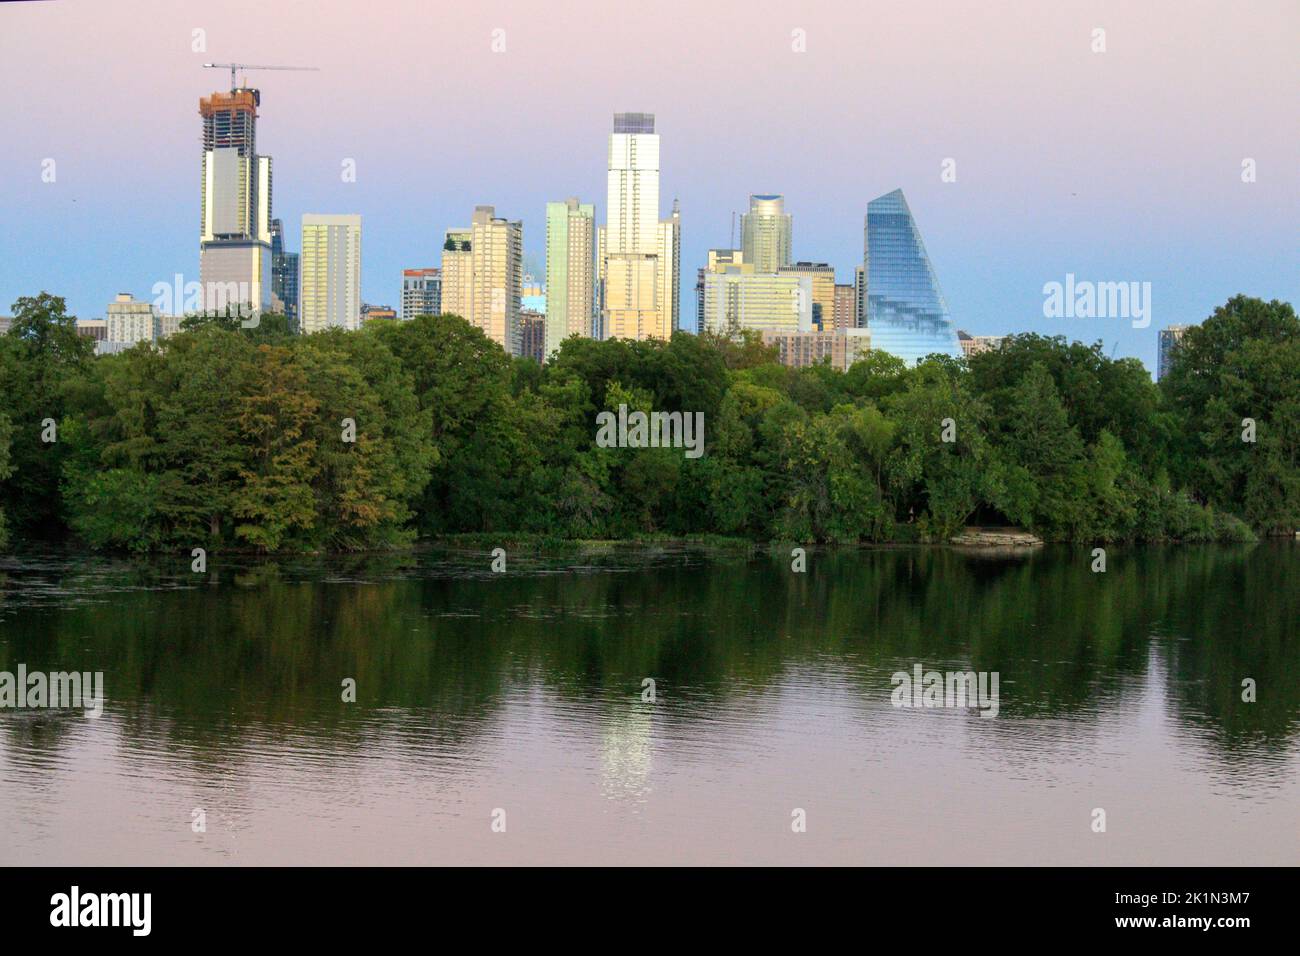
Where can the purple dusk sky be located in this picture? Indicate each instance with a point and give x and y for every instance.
(1120, 165)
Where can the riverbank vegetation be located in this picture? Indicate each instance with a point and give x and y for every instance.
(258, 439)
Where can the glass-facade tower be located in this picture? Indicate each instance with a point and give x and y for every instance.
(906, 310)
(284, 272)
(765, 233)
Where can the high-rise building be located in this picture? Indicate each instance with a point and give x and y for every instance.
(841, 347)
(635, 257)
(284, 273)
(532, 334)
(670, 266)
(1170, 336)
(329, 281)
(860, 296)
(736, 298)
(457, 272)
(570, 271)
(421, 292)
(235, 268)
(846, 311)
(482, 269)
(598, 323)
(718, 260)
(906, 311)
(765, 233)
(822, 276)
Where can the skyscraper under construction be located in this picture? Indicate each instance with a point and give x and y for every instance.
(235, 219)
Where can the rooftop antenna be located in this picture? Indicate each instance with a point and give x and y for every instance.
(731, 243)
(251, 66)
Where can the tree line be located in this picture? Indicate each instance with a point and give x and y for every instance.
(259, 439)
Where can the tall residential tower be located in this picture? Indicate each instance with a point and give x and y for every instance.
(329, 282)
(570, 271)
(765, 233)
(637, 254)
(482, 268)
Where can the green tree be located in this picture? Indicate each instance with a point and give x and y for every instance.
(6, 469)
(937, 467)
(1241, 365)
(39, 357)
(274, 416)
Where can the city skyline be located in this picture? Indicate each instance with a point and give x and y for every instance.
(1041, 189)
(625, 435)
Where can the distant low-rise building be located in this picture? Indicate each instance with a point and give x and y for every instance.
(421, 292)
(111, 348)
(975, 344)
(841, 347)
(129, 321)
(95, 329)
(369, 312)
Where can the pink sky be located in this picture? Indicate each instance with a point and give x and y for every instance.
(1113, 166)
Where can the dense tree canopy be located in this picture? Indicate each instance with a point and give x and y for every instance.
(226, 437)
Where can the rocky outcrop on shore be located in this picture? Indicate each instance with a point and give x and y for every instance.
(996, 538)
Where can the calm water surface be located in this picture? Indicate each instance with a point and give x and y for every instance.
(522, 692)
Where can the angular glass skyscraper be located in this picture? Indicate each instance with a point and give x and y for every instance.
(906, 310)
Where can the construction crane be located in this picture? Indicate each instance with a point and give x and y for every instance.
(251, 66)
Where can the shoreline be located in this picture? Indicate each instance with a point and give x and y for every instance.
(971, 540)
